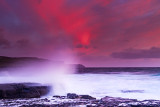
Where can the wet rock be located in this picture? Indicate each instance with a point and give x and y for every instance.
(72, 96)
(117, 101)
(23, 90)
(78, 102)
(86, 97)
(124, 102)
(57, 96)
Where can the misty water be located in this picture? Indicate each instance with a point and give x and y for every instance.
(117, 85)
(126, 85)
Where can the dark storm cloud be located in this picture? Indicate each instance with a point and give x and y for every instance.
(153, 52)
(83, 46)
(125, 24)
(23, 43)
(79, 46)
(4, 43)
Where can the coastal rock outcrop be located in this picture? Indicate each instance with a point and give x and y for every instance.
(64, 101)
(75, 96)
(23, 90)
(72, 96)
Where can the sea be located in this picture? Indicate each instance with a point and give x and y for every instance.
(140, 83)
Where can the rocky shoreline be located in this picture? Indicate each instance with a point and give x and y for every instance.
(23, 90)
(74, 100)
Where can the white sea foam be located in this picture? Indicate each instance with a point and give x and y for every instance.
(97, 85)
(101, 85)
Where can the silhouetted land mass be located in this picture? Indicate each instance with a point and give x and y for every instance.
(17, 62)
(10, 63)
(107, 70)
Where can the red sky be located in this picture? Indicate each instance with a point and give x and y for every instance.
(95, 32)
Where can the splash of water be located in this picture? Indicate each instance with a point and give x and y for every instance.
(53, 74)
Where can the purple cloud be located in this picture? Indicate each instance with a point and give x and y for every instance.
(153, 52)
(4, 43)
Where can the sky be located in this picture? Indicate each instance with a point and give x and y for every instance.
(95, 33)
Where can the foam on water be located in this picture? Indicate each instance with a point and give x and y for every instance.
(98, 85)
(101, 85)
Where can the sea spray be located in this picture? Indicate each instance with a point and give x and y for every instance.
(48, 72)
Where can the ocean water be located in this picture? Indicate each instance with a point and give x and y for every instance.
(138, 84)
(126, 85)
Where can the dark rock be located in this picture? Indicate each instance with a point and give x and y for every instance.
(22, 90)
(72, 96)
(57, 96)
(86, 97)
(59, 102)
(63, 97)
(118, 99)
(79, 68)
(60, 97)
(125, 102)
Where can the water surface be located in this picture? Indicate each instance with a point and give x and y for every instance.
(127, 83)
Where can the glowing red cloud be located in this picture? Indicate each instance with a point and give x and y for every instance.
(84, 38)
(96, 28)
(71, 19)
